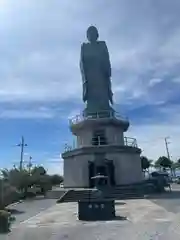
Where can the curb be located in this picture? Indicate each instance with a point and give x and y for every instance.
(14, 204)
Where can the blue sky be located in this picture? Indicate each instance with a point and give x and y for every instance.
(40, 82)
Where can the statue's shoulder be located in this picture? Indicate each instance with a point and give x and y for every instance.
(102, 42)
(84, 44)
(102, 45)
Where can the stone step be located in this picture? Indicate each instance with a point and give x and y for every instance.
(75, 195)
(55, 194)
(118, 192)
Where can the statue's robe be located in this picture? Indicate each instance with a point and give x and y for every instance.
(96, 72)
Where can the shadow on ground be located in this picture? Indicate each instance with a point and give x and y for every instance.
(15, 211)
(120, 203)
(116, 218)
(166, 195)
(37, 198)
(120, 218)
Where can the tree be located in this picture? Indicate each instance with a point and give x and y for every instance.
(41, 178)
(16, 178)
(151, 162)
(23, 179)
(163, 162)
(175, 165)
(145, 163)
(56, 179)
(38, 170)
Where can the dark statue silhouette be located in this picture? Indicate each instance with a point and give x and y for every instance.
(96, 73)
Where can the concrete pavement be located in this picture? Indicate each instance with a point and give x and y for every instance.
(146, 219)
(29, 208)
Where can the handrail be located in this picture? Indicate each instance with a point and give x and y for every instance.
(96, 115)
(128, 141)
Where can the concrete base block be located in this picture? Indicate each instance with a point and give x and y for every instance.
(96, 210)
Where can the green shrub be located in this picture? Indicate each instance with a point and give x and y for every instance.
(30, 195)
(4, 221)
(56, 179)
(8, 195)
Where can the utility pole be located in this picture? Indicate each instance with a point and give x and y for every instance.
(21, 145)
(29, 165)
(167, 149)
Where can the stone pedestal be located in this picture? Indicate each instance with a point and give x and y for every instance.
(96, 210)
(100, 138)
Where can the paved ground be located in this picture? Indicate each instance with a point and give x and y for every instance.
(157, 218)
(30, 208)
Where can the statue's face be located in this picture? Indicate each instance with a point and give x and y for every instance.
(92, 34)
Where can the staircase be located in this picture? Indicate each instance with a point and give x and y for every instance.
(76, 195)
(124, 192)
(55, 193)
(117, 193)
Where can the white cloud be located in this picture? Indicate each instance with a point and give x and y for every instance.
(150, 136)
(151, 139)
(41, 47)
(154, 81)
(54, 166)
(74, 114)
(30, 114)
(176, 80)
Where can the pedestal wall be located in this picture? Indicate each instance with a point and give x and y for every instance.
(76, 172)
(126, 162)
(126, 158)
(127, 167)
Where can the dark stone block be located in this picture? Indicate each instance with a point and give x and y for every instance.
(96, 210)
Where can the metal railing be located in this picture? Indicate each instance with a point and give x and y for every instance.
(131, 142)
(97, 115)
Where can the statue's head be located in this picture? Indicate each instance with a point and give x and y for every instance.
(92, 34)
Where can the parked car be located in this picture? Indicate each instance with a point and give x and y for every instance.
(160, 180)
(178, 180)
